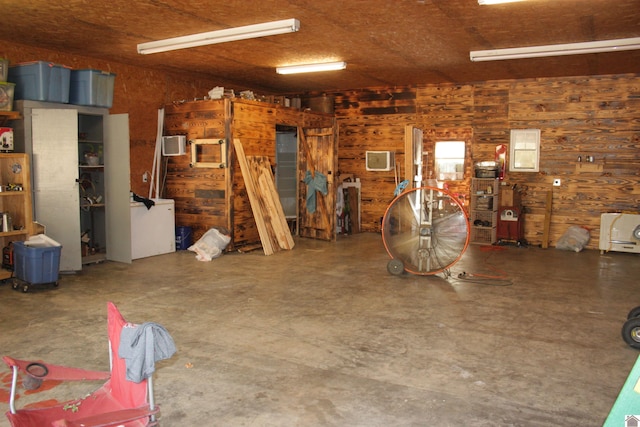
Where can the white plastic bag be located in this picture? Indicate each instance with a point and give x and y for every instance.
(574, 239)
(210, 245)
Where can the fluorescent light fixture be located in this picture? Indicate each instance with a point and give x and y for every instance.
(488, 2)
(556, 50)
(221, 36)
(311, 68)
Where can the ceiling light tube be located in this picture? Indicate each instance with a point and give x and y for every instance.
(221, 36)
(556, 50)
(311, 68)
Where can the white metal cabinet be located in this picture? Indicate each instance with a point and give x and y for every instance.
(118, 187)
(54, 146)
(49, 132)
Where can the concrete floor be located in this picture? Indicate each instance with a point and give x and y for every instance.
(323, 336)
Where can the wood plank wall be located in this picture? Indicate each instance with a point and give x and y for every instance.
(198, 192)
(587, 116)
(254, 123)
(206, 197)
(373, 120)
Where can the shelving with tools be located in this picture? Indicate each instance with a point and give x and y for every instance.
(15, 203)
(483, 213)
(92, 187)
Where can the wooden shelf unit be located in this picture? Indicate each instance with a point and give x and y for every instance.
(485, 195)
(15, 200)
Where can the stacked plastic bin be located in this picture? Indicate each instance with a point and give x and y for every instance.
(41, 81)
(92, 88)
(46, 81)
(6, 89)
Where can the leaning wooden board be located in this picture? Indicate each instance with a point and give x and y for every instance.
(267, 246)
(262, 174)
(265, 203)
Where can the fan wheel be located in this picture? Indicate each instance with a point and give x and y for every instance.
(425, 229)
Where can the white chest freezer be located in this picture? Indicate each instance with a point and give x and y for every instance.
(153, 231)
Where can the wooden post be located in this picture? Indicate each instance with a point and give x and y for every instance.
(547, 219)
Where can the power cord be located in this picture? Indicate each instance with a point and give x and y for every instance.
(499, 279)
(484, 279)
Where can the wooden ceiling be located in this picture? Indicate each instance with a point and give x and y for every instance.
(384, 42)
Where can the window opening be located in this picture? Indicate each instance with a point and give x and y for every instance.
(449, 160)
(524, 150)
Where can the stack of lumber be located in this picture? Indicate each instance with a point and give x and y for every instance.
(265, 203)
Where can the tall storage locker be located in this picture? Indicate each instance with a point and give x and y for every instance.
(57, 137)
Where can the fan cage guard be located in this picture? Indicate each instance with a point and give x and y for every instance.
(426, 229)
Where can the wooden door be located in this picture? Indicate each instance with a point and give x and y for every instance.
(317, 162)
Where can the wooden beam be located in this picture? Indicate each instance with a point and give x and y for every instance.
(547, 219)
(408, 153)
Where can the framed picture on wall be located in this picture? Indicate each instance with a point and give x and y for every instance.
(524, 150)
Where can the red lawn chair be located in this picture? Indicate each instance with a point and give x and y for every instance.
(119, 402)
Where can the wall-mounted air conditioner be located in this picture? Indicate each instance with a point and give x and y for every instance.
(174, 145)
(380, 160)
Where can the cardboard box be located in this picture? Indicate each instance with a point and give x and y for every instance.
(509, 197)
(6, 139)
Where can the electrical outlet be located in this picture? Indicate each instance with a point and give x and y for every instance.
(145, 177)
(557, 182)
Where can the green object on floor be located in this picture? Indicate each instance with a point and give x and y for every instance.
(626, 408)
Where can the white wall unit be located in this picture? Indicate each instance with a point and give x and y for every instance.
(57, 137)
(619, 232)
(153, 231)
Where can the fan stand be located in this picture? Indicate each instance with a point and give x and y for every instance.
(425, 231)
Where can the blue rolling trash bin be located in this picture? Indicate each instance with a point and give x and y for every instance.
(36, 262)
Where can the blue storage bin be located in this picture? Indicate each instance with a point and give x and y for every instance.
(41, 81)
(92, 87)
(36, 263)
(183, 238)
